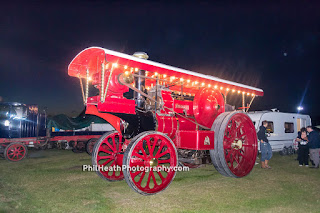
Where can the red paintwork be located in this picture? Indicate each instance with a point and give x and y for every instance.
(183, 107)
(74, 138)
(25, 141)
(185, 124)
(117, 105)
(167, 125)
(89, 59)
(205, 105)
(113, 120)
(168, 102)
(115, 88)
(194, 140)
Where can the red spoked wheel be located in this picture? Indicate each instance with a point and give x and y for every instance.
(108, 153)
(90, 144)
(150, 161)
(15, 151)
(235, 145)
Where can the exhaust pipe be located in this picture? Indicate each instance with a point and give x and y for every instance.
(140, 82)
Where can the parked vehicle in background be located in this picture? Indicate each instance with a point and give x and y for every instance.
(24, 126)
(282, 128)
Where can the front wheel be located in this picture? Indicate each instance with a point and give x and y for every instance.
(235, 144)
(150, 161)
(107, 156)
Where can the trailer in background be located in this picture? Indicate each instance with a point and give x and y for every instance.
(282, 128)
(24, 126)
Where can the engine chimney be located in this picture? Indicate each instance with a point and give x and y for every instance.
(140, 82)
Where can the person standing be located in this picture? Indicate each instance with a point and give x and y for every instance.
(265, 148)
(314, 146)
(303, 154)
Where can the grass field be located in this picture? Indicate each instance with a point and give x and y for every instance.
(52, 181)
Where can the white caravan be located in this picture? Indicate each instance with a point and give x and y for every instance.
(282, 127)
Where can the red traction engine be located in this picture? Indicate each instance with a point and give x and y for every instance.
(162, 115)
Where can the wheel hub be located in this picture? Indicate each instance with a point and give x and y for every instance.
(153, 162)
(237, 144)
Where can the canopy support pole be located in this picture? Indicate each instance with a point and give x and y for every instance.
(225, 97)
(250, 103)
(106, 90)
(182, 98)
(82, 91)
(102, 83)
(156, 96)
(87, 87)
(243, 102)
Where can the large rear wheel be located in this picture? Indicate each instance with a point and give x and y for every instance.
(235, 144)
(145, 159)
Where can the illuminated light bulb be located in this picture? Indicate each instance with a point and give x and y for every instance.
(126, 72)
(181, 79)
(107, 66)
(131, 69)
(252, 94)
(115, 65)
(155, 73)
(188, 80)
(196, 82)
(243, 92)
(164, 76)
(125, 67)
(248, 93)
(239, 91)
(202, 84)
(209, 85)
(215, 86)
(89, 79)
(233, 90)
(136, 69)
(221, 88)
(228, 89)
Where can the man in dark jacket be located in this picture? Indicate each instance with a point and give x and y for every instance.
(265, 148)
(314, 146)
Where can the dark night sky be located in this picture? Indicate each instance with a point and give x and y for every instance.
(273, 46)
